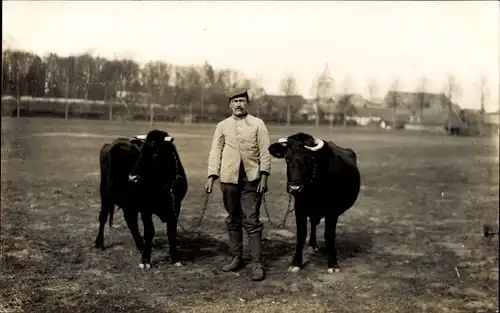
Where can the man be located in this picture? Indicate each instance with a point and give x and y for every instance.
(240, 159)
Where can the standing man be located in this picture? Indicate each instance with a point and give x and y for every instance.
(240, 159)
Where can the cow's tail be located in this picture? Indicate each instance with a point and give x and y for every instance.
(111, 213)
(108, 187)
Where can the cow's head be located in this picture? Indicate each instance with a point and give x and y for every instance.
(300, 153)
(158, 156)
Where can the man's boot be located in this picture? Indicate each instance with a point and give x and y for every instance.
(258, 272)
(236, 247)
(235, 264)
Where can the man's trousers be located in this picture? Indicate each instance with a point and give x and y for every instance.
(242, 203)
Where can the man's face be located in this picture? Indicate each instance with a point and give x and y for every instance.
(239, 106)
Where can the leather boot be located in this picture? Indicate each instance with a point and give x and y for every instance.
(258, 272)
(236, 247)
(233, 265)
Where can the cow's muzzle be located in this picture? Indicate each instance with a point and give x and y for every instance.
(133, 178)
(295, 188)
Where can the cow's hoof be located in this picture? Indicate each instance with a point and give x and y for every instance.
(313, 249)
(294, 269)
(333, 270)
(99, 244)
(146, 266)
(178, 264)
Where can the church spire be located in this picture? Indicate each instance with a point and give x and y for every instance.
(326, 71)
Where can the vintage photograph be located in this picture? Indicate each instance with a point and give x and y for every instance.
(250, 156)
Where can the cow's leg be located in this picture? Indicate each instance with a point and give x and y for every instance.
(330, 231)
(325, 234)
(301, 223)
(106, 209)
(131, 219)
(313, 244)
(172, 238)
(149, 233)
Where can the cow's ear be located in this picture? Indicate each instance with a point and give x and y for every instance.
(277, 150)
(137, 142)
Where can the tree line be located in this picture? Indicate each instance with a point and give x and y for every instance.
(195, 89)
(89, 77)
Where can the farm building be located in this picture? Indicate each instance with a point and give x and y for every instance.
(435, 107)
(356, 108)
(492, 118)
(492, 122)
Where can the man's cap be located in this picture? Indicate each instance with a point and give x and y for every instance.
(237, 92)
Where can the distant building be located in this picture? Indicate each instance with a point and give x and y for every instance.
(411, 100)
(492, 118)
(435, 108)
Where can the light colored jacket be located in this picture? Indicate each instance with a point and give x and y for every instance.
(239, 140)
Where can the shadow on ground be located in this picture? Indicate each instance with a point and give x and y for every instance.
(348, 245)
(194, 246)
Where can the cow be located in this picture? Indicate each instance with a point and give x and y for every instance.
(324, 180)
(143, 175)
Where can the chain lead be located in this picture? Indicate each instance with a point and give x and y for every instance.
(288, 211)
(172, 197)
(200, 219)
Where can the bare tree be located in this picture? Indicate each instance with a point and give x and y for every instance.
(152, 82)
(422, 97)
(255, 92)
(372, 89)
(451, 89)
(125, 75)
(87, 72)
(346, 86)
(288, 86)
(344, 101)
(484, 92)
(19, 63)
(256, 96)
(394, 99)
(207, 81)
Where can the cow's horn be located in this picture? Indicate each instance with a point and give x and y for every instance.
(169, 139)
(141, 137)
(319, 144)
(283, 141)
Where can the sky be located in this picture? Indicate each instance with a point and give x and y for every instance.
(266, 40)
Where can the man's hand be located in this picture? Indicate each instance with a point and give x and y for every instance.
(262, 188)
(209, 185)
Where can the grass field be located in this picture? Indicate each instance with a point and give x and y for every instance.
(412, 242)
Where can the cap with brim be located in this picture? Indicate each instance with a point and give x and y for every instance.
(237, 92)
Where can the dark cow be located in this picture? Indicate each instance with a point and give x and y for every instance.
(324, 180)
(144, 175)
